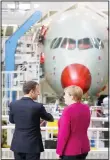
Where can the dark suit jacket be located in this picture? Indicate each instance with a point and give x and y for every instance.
(26, 114)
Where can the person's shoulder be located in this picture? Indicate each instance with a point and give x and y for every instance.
(37, 104)
(66, 109)
(79, 105)
(86, 108)
(14, 102)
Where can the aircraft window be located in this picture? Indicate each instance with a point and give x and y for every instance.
(57, 43)
(84, 43)
(98, 43)
(101, 45)
(68, 43)
(51, 46)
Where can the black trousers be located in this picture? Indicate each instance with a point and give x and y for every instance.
(77, 157)
(26, 156)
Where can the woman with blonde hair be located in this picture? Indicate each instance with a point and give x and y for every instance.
(73, 142)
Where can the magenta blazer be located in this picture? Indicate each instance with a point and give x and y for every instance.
(72, 130)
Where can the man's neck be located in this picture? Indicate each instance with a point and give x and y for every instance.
(27, 95)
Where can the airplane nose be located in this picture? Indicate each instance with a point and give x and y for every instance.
(78, 75)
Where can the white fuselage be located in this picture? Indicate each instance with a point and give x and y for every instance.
(78, 24)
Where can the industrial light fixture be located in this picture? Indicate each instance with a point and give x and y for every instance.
(11, 5)
(24, 6)
(6, 25)
(36, 5)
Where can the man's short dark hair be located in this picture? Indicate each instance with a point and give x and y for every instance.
(28, 86)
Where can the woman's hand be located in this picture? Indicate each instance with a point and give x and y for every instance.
(58, 157)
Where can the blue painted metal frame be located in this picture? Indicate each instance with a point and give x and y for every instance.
(11, 44)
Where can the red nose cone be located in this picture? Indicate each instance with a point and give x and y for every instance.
(78, 75)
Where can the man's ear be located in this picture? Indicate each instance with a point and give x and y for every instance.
(31, 91)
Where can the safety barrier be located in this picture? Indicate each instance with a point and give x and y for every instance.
(16, 79)
(51, 154)
(98, 151)
(49, 107)
(98, 119)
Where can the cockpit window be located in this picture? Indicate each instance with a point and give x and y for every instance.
(57, 43)
(51, 46)
(84, 43)
(98, 43)
(68, 43)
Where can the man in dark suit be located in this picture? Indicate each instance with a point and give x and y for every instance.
(25, 114)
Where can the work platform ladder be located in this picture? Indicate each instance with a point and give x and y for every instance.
(25, 72)
(29, 69)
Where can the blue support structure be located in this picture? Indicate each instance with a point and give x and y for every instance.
(11, 44)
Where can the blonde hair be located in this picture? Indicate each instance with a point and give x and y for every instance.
(74, 91)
